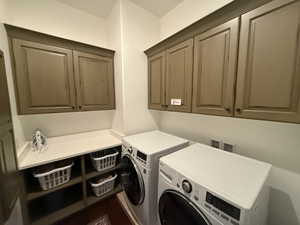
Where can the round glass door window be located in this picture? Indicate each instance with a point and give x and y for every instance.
(176, 209)
(132, 180)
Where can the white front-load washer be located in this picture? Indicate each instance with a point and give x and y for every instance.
(201, 185)
(139, 170)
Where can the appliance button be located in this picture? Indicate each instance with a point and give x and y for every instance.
(196, 198)
(186, 186)
(216, 212)
(225, 217)
(207, 206)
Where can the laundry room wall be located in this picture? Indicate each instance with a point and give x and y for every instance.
(54, 18)
(138, 29)
(272, 142)
(186, 13)
(115, 40)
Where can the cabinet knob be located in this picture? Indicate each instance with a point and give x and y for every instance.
(238, 110)
(228, 109)
(80, 107)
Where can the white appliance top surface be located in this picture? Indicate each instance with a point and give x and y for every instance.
(235, 178)
(154, 141)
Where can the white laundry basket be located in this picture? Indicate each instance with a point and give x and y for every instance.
(103, 187)
(104, 160)
(55, 177)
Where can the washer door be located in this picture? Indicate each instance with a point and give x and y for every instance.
(132, 180)
(176, 209)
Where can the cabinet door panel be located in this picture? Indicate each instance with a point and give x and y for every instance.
(95, 81)
(45, 78)
(156, 73)
(179, 76)
(268, 84)
(4, 97)
(8, 169)
(214, 70)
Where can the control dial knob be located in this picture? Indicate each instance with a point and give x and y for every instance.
(187, 186)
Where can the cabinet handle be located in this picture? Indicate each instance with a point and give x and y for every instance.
(164, 105)
(238, 110)
(228, 109)
(80, 107)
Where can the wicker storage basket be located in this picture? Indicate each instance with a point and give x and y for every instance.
(104, 186)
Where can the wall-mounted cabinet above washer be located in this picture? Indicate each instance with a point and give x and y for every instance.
(243, 64)
(58, 75)
(170, 78)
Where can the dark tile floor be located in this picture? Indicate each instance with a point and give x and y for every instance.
(110, 206)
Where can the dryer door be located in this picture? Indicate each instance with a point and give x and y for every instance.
(176, 209)
(132, 180)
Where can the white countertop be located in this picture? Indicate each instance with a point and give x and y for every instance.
(68, 146)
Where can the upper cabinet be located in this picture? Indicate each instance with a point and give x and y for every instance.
(95, 81)
(247, 67)
(268, 83)
(58, 75)
(214, 70)
(156, 81)
(179, 76)
(170, 78)
(44, 78)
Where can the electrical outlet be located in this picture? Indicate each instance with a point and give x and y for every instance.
(228, 147)
(215, 144)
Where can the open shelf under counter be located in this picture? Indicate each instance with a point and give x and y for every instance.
(60, 214)
(39, 193)
(94, 173)
(56, 205)
(92, 199)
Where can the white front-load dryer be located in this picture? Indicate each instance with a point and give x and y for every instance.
(201, 185)
(139, 170)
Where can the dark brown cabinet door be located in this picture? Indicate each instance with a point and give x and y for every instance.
(268, 85)
(156, 81)
(4, 97)
(179, 75)
(215, 56)
(8, 167)
(95, 81)
(9, 180)
(44, 77)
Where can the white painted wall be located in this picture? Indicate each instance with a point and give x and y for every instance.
(186, 13)
(58, 19)
(115, 38)
(140, 31)
(277, 143)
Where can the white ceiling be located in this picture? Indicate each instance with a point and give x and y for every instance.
(102, 8)
(99, 8)
(158, 7)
